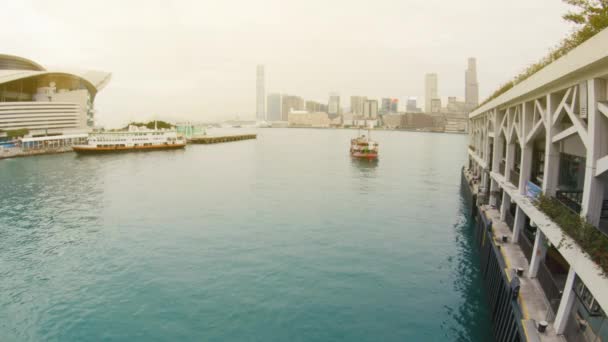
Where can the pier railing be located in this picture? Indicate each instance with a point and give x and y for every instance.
(502, 296)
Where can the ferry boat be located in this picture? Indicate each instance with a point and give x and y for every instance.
(364, 147)
(135, 139)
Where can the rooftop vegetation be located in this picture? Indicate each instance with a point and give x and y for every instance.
(588, 237)
(589, 17)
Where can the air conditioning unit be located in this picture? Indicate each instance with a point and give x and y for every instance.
(582, 100)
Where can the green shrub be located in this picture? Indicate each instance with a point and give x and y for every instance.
(588, 237)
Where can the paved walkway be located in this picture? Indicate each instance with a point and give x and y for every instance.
(532, 299)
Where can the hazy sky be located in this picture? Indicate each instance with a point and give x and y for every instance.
(196, 59)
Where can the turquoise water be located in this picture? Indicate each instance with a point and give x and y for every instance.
(283, 238)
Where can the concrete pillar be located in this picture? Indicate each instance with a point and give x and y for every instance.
(518, 225)
(593, 189)
(565, 306)
(551, 167)
(526, 167)
(509, 160)
(538, 253)
(504, 207)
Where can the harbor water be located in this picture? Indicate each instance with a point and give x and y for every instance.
(282, 238)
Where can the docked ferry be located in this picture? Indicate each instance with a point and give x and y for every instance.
(135, 139)
(364, 147)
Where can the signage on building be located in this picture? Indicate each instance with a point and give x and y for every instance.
(532, 190)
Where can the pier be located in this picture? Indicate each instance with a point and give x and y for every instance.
(220, 139)
(521, 144)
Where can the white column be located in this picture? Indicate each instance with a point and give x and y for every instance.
(538, 253)
(565, 306)
(526, 167)
(509, 160)
(518, 225)
(551, 166)
(506, 203)
(593, 189)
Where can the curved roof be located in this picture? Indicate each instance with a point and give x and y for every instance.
(94, 80)
(9, 62)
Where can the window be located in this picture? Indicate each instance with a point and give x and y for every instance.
(571, 172)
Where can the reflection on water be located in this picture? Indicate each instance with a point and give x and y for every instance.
(367, 167)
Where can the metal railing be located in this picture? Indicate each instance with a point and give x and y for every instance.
(571, 199)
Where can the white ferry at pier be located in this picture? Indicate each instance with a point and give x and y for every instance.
(135, 139)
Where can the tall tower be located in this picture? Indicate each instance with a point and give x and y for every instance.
(471, 87)
(430, 91)
(260, 108)
(333, 108)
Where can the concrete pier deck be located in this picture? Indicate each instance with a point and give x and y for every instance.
(532, 300)
(220, 139)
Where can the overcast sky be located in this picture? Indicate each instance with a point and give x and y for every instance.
(196, 60)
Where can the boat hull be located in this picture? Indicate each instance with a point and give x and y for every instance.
(118, 149)
(362, 155)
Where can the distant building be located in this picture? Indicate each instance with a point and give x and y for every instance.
(394, 106)
(370, 109)
(313, 107)
(411, 105)
(471, 96)
(356, 104)
(409, 121)
(455, 106)
(430, 91)
(273, 107)
(291, 103)
(260, 112)
(435, 106)
(333, 108)
(385, 106)
(315, 119)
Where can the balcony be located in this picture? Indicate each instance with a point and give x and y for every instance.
(571, 199)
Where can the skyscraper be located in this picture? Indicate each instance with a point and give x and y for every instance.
(260, 109)
(274, 107)
(356, 104)
(290, 103)
(394, 106)
(385, 105)
(411, 106)
(471, 92)
(430, 91)
(370, 109)
(333, 109)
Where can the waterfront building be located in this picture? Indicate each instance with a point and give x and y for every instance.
(430, 91)
(291, 103)
(537, 161)
(315, 119)
(370, 109)
(315, 107)
(41, 102)
(394, 106)
(455, 106)
(385, 105)
(411, 105)
(356, 104)
(333, 108)
(471, 86)
(273, 107)
(260, 112)
(435, 106)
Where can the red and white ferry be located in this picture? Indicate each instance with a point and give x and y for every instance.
(364, 147)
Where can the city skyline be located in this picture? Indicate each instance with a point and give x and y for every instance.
(204, 54)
